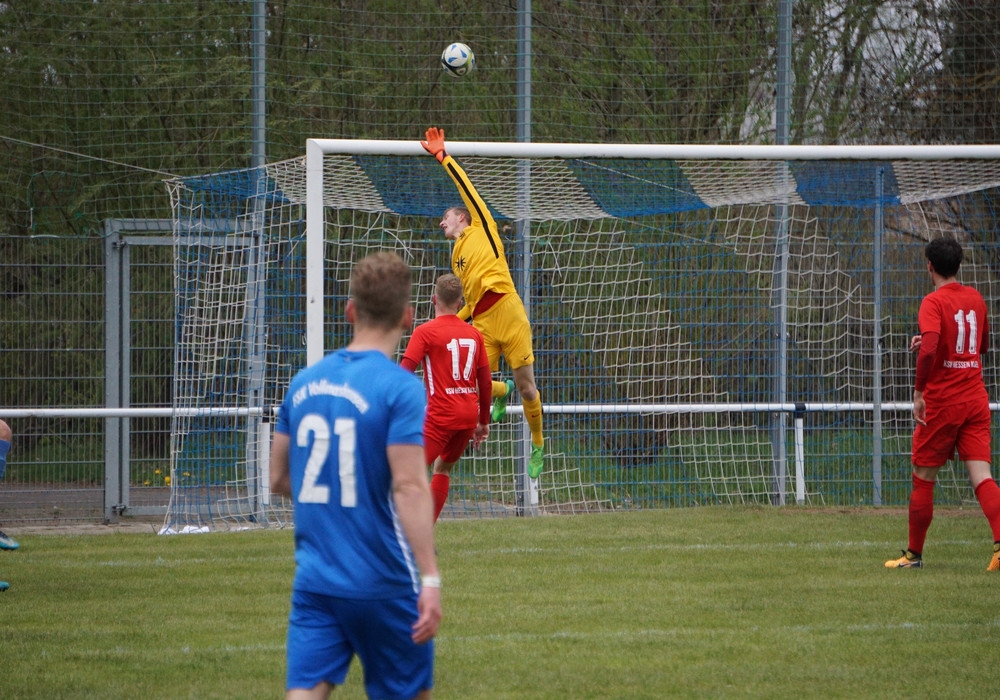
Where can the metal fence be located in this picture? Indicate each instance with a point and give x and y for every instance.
(99, 336)
(105, 100)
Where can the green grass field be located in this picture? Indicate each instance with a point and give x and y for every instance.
(682, 603)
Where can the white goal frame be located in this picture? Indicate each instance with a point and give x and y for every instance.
(317, 149)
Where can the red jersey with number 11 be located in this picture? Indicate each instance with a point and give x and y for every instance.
(958, 315)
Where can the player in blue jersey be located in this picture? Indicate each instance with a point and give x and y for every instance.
(348, 448)
(6, 436)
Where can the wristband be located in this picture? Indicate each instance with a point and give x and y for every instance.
(430, 581)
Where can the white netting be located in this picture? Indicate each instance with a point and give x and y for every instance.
(652, 286)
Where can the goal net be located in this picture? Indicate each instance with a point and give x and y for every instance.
(711, 324)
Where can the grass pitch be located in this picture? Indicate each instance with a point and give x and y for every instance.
(683, 603)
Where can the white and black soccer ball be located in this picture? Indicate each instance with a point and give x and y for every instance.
(457, 60)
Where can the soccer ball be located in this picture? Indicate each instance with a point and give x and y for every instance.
(457, 60)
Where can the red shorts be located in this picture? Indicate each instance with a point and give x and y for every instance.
(446, 443)
(965, 427)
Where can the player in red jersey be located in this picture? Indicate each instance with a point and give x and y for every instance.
(457, 378)
(950, 403)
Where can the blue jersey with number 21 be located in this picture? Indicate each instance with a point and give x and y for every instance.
(340, 414)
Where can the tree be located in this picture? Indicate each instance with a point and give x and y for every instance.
(964, 105)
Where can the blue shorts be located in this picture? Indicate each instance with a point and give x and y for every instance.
(4, 448)
(324, 634)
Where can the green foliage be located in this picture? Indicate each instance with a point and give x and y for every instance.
(110, 112)
(682, 603)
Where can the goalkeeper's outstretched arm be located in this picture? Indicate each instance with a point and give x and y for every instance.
(479, 213)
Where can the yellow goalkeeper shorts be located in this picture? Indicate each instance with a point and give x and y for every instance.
(506, 330)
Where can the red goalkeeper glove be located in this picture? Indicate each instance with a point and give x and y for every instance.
(434, 143)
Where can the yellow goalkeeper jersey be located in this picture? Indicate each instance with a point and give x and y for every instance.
(477, 257)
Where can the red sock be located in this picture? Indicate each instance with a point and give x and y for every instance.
(921, 512)
(439, 490)
(988, 494)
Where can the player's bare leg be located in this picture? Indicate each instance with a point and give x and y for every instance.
(321, 691)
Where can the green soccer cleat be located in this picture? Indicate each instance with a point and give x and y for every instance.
(995, 561)
(4, 586)
(907, 561)
(536, 461)
(499, 409)
(7, 543)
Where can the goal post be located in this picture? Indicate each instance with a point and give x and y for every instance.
(687, 302)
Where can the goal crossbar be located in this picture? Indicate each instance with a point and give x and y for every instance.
(497, 149)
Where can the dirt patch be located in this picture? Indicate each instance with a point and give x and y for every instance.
(943, 511)
(130, 525)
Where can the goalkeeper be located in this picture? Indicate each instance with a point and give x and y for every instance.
(491, 300)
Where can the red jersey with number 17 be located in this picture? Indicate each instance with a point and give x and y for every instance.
(958, 315)
(452, 354)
